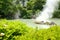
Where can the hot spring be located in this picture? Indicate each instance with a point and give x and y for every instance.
(47, 12)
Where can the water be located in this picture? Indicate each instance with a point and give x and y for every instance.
(49, 8)
(30, 22)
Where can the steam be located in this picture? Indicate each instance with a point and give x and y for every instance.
(49, 8)
(17, 14)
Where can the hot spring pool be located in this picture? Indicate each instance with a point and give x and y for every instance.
(30, 22)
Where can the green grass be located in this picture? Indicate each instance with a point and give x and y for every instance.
(17, 30)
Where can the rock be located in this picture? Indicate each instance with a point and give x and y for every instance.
(47, 23)
(52, 23)
(2, 34)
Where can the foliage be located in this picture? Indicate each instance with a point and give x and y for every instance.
(30, 10)
(16, 30)
(56, 14)
(8, 8)
(43, 34)
(39, 4)
(35, 4)
(12, 29)
(30, 4)
(25, 13)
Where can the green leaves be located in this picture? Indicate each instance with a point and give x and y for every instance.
(12, 29)
(56, 14)
(17, 30)
(7, 8)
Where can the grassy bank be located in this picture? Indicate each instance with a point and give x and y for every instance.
(17, 30)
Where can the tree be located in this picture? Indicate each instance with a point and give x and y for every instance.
(56, 14)
(39, 4)
(8, 8)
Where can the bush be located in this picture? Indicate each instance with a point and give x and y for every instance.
(8, 8)
(26, 13)
(12, 29)
(16, 30)
(30, 10)
(35, 4)
(52, 33)
(56, 14)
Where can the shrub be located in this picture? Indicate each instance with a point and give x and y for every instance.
(35, 4)
(30, 10)
(8, 8)
(26, 13)
(52, 33)
(12, 29)
(56, 14)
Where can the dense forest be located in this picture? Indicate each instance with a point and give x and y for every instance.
(12, 9)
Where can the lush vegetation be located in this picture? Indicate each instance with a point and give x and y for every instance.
(9, 8)
(16, 30)
(9, 30)
(57, 12)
